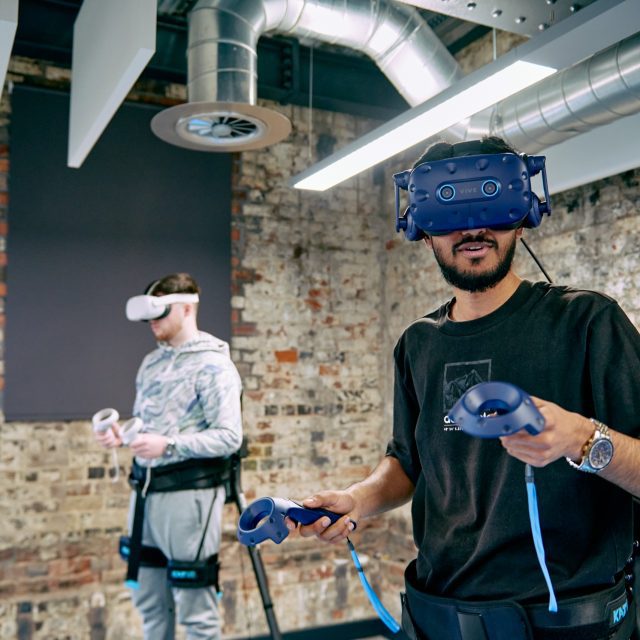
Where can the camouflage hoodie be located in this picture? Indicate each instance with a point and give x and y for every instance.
(191, 393)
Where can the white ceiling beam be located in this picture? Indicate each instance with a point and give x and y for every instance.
(8, 25)
(112, 43)
(602, 152)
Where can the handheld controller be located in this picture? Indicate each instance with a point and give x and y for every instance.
(130, 429)
(103, 420)
(264, 519)
(496, 409)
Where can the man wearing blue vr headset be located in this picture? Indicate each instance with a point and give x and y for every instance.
(188, 398)
(476, 575)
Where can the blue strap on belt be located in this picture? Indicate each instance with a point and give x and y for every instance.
(379, 608)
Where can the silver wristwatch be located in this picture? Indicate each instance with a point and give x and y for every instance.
(597, 452)
(170, 449)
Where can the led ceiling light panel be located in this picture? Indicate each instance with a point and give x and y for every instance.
(407, 132)
(112, 43)
(8, 24)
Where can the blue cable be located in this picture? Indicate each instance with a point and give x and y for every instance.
(384, 615)
(534, 519)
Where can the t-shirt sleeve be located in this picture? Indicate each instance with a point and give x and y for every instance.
(405, 417)
(614, 369)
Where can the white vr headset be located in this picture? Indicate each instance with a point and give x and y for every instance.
(145, 308)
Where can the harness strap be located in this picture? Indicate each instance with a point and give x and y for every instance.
(609, 613)
(150, 557)
(197, 473)
(135, 549)
(194, 575)
(200, 473)
(184, 575)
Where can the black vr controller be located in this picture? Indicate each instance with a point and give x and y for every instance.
(496, 409)
(264, 519)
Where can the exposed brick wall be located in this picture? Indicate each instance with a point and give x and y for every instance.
(307, 338)
(322, 287)
(307, 299)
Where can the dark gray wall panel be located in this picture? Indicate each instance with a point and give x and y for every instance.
(81, 241)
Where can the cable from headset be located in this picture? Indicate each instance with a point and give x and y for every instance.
(535, 258)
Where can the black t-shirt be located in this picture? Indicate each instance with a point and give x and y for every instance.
(470, 519)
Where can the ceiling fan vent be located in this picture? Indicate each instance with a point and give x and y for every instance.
(220, 126)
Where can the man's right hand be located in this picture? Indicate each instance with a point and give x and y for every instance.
(110, 438)
(336, 501)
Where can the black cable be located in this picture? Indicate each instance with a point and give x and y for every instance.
(533, 255)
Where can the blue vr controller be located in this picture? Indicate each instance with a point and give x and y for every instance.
(264, 519)
(496, 409)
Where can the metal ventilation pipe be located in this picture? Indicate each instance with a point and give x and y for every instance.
(594, 92)
(221, 112)
(394, 36)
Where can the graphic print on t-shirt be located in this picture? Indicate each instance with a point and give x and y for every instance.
(460, 376)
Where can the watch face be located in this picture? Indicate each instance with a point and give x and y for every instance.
(601, 453)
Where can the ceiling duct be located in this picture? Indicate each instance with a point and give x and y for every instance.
(592, 93)
(221, 113)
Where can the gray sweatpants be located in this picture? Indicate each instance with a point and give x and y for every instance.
(174, 522)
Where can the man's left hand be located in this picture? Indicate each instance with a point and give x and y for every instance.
(149, 445)
(565, 434)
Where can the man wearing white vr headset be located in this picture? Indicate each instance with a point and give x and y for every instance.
(188, 398)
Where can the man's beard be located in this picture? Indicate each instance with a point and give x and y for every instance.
(476, 282)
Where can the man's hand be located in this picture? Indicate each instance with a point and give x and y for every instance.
(565, 434)
(336, 501)
(110, 438)
(149, 445)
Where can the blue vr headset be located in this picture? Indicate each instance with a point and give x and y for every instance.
(471, 192)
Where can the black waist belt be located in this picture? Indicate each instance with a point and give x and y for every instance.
(601, 615)
(199, 473)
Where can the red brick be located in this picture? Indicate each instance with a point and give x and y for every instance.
(243, 275)
(291, 355)
(313, 304)
(243, 329)
(326, 370)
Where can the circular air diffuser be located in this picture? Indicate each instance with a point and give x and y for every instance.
(220, 126)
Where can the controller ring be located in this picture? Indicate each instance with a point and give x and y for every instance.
(515, 409)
